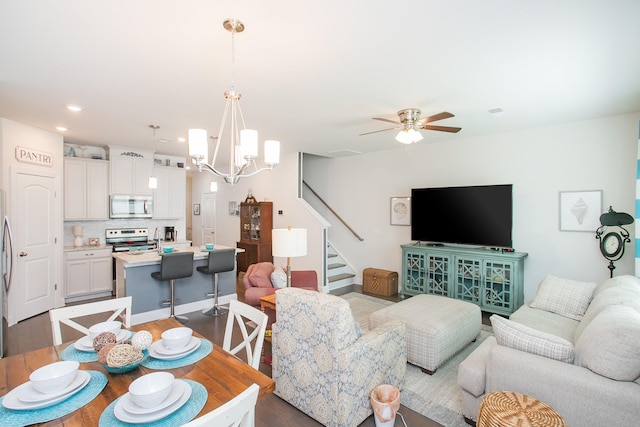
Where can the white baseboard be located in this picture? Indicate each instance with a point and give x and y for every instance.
(163, 313)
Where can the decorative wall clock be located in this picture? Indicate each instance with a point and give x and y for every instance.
(613, 241)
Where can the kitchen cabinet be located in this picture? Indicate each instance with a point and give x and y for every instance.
(256, 223)
(494, 280)
(169, 198)
(130, 171)
(87, 274)
(86, 189)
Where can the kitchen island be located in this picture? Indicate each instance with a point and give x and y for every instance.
(133, 278)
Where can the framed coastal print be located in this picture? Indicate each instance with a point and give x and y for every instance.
(400, 211)
(580, 210)
(196, 209)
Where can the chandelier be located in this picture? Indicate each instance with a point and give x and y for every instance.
(243, 143)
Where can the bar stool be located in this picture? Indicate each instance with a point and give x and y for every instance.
(220, 260)
(174, 266)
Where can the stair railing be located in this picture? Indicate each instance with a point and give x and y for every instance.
(333, 211)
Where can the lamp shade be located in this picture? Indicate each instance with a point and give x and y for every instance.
(271, 152)
(249, 143)
(198, 147)
(289, 242)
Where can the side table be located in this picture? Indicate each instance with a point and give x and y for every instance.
(267, 301)
(510, 409)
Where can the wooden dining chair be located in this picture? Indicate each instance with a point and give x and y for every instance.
(238, 412)
(121, 307)
(241, 313)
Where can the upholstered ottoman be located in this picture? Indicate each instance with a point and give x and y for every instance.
(437, 327)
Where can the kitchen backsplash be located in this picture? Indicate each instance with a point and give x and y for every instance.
(97, 228)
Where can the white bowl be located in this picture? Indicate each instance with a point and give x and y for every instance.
(150, 390)
(54, 377)
(176, 338)
(113, 326)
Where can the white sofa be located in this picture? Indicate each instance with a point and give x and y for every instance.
(575, 347)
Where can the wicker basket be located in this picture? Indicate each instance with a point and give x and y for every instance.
(506, 409)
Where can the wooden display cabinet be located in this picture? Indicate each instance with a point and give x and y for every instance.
(256, 223)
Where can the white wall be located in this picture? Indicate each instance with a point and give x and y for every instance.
(590, 155)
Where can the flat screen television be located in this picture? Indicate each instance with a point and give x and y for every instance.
(475, 215)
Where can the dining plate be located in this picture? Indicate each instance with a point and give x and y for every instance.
(177, 390)
(123, 415)
(156, 355)
(86, 343)
(29, 395)
(12, 400)
(161, 349)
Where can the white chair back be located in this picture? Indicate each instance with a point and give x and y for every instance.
(239, 313)
(238, 412)
(119, 306)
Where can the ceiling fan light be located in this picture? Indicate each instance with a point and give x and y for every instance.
(416, 135)
(404, 137)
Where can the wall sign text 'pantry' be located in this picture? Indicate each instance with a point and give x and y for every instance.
(37, 157)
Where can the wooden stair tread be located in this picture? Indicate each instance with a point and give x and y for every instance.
(340, 277)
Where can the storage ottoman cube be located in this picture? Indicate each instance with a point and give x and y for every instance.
(437, 327)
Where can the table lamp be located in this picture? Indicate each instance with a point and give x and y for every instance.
(287, 243)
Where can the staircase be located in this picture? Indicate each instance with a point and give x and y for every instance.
(339, 273)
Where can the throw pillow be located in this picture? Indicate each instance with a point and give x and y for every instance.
(259, 275)
(610, 344)
(567, 298)
(278, 278)
(524, 338)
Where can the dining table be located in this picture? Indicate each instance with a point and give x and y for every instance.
(221, 375)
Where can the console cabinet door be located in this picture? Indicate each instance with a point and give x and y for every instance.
(468, 283)
(499, 288)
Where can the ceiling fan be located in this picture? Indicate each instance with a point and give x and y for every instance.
(410, 123)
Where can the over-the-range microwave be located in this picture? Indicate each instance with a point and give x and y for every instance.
(131, 207)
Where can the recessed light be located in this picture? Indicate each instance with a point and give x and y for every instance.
(165, 140)
(74, 108)
(181, 139)
(61, 128)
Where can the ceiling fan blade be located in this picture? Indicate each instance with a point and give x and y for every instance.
(436, 117)
(441, 128)
(381, 130)
(387, 120)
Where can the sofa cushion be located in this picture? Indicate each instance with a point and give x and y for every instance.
(568, 298)
(610, 344)
(278, 278)
(259, 275)
(623, 290)
(545, 321)
(524, 338)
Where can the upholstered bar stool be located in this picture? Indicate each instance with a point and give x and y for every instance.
(220, 260)
(174, 266)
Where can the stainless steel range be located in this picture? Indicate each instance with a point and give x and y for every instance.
(129, 239)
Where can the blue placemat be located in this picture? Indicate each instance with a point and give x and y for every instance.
(205, 348)
(14, 418)
(182, 416)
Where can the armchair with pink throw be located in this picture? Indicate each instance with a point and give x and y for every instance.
(257, 282)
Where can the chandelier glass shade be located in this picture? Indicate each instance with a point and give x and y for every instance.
(242, 142)
(409, 135)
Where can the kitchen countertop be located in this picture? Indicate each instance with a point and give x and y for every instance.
(86, 248)
(141, 258)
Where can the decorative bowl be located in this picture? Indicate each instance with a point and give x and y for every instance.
(176, 338)
(209, 246)
(54, 376)
(112, 326)
(124, 369)
(167, 249)
(151, 389)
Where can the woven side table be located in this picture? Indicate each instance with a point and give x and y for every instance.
(506, 409)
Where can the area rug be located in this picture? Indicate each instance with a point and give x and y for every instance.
(437, 396)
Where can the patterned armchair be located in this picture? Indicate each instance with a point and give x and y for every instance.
(322, 363)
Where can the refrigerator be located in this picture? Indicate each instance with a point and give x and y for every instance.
(6, 244)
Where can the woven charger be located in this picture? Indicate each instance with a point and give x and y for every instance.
(506, 408)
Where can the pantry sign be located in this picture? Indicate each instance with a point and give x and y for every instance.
(29, 155)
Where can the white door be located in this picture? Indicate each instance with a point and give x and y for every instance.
(34, 241)
(209, 218)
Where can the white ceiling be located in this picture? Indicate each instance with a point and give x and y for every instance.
(313, 74)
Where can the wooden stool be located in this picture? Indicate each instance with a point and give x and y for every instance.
(506, 408)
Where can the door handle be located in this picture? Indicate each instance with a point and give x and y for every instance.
(23, 254)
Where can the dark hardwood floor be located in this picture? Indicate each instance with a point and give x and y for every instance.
(271, 411)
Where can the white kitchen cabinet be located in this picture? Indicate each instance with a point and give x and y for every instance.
(170, 197)
(86, 189)
(130, 171)
(88, 274)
